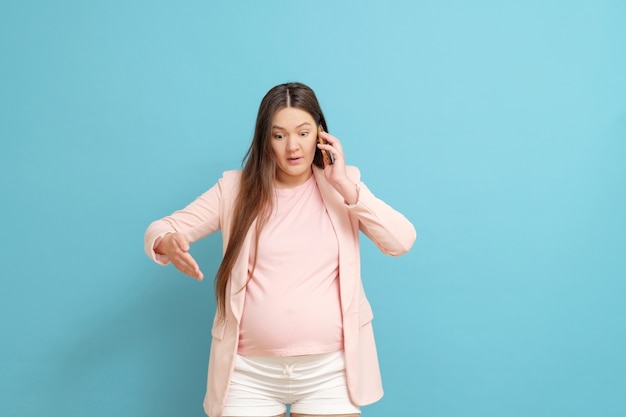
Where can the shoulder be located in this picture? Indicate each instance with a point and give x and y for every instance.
(233, 174)
(230, 178)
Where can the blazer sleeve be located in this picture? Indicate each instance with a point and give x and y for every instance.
(196, 221)
(390, 231)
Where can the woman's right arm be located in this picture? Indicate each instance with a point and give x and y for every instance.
(167, 240)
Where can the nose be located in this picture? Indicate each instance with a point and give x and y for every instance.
(292, 143)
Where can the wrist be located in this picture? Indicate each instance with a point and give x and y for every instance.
(159, 242)
(349, 191)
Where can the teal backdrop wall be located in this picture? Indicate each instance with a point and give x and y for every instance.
(498, 128)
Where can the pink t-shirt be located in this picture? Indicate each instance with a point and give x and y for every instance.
(292, 305)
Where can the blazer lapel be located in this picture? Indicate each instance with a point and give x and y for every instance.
(239, 275)
(342, 223)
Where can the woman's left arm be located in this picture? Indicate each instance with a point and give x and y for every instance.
(390, 231)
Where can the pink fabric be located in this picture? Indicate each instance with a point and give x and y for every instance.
(389, 230)
(292, 304)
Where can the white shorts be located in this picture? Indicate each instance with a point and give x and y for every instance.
(311, 384)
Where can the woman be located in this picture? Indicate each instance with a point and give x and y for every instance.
(292, 324)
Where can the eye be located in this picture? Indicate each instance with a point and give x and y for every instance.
(278, 136)
(304, 133)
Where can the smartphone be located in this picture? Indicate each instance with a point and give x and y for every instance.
(327, 156)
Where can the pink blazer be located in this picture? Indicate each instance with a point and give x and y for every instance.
(390, 231)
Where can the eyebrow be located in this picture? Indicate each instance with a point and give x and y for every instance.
(300, 125)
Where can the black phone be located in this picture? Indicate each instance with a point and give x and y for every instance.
(327, 156)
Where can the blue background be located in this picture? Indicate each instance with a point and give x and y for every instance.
(498, 128)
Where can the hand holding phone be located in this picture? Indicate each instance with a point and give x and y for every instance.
(327, 156)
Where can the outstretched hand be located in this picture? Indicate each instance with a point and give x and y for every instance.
(176, 248)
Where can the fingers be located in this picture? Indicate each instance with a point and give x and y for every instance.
(333, 145)
(180, 242)
(185, 263)
(180, 257)
(332, 141)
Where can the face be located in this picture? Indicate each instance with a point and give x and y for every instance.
(294, 141)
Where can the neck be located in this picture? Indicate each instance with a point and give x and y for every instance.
(288, 181)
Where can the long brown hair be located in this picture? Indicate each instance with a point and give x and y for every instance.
(254, 200)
